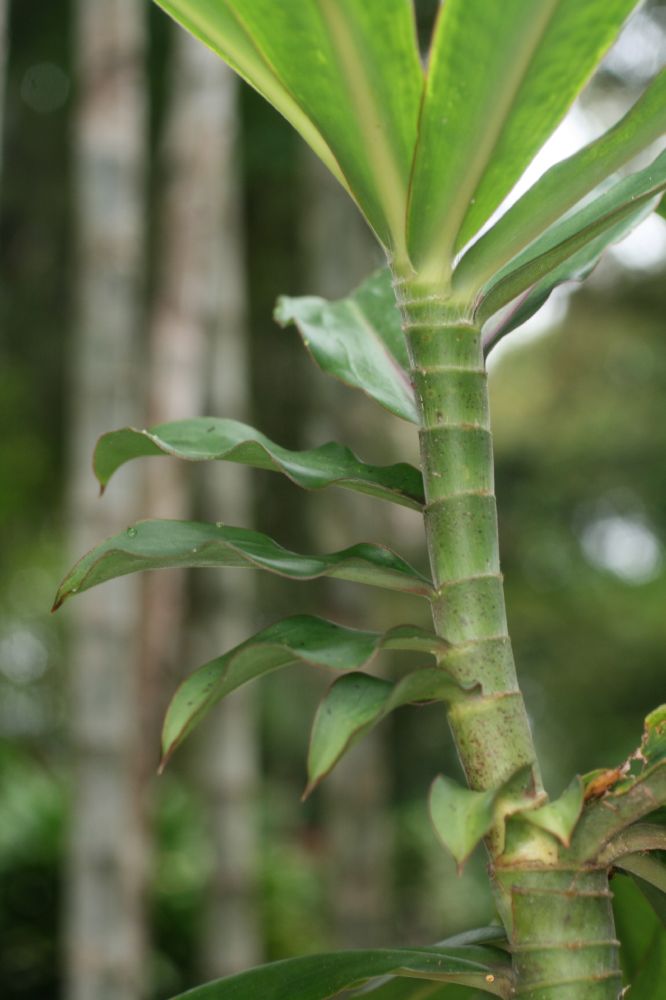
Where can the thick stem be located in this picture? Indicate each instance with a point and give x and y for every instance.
(562, 933)
(559, 919)
(490, 728)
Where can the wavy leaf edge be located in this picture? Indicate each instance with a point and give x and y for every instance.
(289, 637)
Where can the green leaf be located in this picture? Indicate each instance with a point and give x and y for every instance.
(301, 639)
(565, 184)
(492, 934)
(643, 941)
(619, 203)
(391, 988)
(559, 817)
(575, 268)
(316, 977)
(350, 708)
(653, 747)
(501, 77)
(355, 704)
(211, 438)
(160, 544)
(628, 801)
(461, 817)
(651, 980)
(358, 340)
(635, 922)
(331, 69)
(649, 874)
(215, 23)
(655, 897)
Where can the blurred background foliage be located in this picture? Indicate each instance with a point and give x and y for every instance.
(578, 408)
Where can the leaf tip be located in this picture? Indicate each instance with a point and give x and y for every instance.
(312, 785)
(281, 313)
(164, 760)
(58, 602)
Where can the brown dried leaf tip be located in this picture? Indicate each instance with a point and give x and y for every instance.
(604, 781)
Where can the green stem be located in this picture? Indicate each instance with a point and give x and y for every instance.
(563, 941)
(491, 730)
(558, 918)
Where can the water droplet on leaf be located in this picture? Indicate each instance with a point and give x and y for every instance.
(131, 532)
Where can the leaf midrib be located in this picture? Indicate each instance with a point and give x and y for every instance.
(391, 186)
(308, 128)
(405, 381)
(479, 163)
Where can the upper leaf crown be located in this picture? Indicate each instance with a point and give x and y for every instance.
(429, 148)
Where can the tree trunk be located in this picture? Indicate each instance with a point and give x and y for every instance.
(202, 357)
(180, 322)
(229, 748)
(338, 255)
(198, 364)
(105, 940)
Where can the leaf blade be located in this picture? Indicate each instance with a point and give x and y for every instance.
(357, 702)
(330, 67)
(651, 980)
(461, 817)
(574, 269)
(646, 868)
(572, 234)
(162, 544)
(299, 639)
(501, 77)
(215, 439)
(565, 184)
(653, 744)
(358, 340)
(317, 977)
(349, 709)
(643, 940)
(214, 23)
(559, 817)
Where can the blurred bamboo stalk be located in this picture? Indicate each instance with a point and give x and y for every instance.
(178, 327)
(198, 364)
(229, 748)
(105, 939)
(339, 254)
